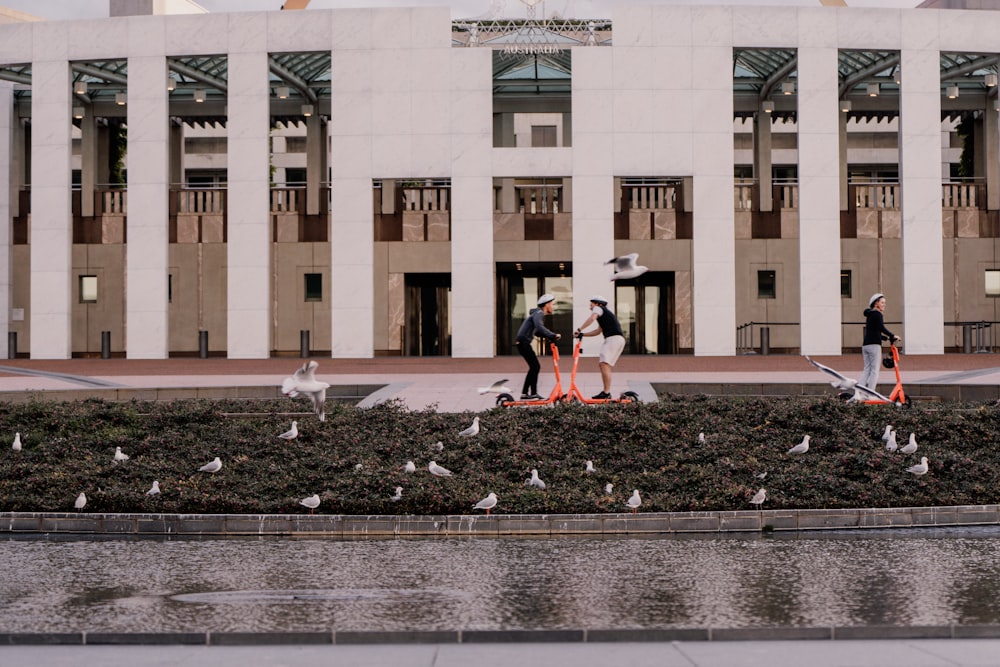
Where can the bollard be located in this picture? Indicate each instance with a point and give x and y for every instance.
(12, 345)
(203, 344)
(765, 340)
(304, 343)
(105, 345)
(967, 339)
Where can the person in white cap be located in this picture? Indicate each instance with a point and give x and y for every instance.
(533, 326)
(614, 339)
(875, 331)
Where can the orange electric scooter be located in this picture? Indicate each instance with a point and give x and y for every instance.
(897, 396)
(574, 393)
(507, 401)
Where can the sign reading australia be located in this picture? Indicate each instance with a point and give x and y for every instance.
(531, 49)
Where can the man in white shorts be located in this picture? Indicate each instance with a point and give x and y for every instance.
(614, 339)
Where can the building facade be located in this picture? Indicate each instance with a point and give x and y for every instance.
(392, 182)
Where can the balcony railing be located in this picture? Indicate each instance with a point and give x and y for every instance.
(539, 199)
(427, 198)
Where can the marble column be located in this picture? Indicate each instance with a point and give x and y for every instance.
(920, 159)
(88, 162)
(247, 201)
(51, 213)
(315, 150)
(819, 201)
(146, 253)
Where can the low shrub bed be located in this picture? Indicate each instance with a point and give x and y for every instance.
(355, 459)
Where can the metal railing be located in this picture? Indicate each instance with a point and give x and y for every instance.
(977, 337)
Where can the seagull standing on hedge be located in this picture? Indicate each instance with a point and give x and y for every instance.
(304, 382)
(535, 480)
(120, 456)
(589, 467)
(626, 267)
(312, 502)
(759, 498)
(919, 469)
(17, 442)
(487, 503)
(437, 470)
(291, 433)
(886, 432)
(154, 490)
(891, 443)
(213, 466)
(399, 495)
(911, 446)
(410, 467)
(81, 501)
(634, 501)
(608, 488)
(472, 430)
(800, 448)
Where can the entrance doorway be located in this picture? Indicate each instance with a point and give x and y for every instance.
(519, 284)
(427, 324)
(645, 308)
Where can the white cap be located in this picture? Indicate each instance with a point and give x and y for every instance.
(875, 297)
(597, 298)
(545, 298)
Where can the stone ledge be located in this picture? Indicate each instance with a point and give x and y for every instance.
(353, 526)
(376, 637)
(920, 392)
(346, 393)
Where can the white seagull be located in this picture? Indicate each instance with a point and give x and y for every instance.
(17, 442)
(120, 456)
(497, 387)
(589, 467)
(438, 446)
(800, 448)
(291, 433)
(634, 501)
(472, 430)
(701, 438)
(213, 466)
(437, 470)
(535, 480)
(920, 468)
(81, 501)
(625, 267)
(312, 502)
(410, 467)
(861, 392)
(762, 475)
(759, 498)
(911, 446)
(304, 382)
(608, 488)
(886, 432)
(487, 503)
(399, 495)
(153, 490)
(891, 443)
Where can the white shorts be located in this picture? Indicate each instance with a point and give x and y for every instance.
(611, 349)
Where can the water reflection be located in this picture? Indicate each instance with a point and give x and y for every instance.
(892, 577)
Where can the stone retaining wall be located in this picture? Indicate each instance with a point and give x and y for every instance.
(916, 392)
(348, 526)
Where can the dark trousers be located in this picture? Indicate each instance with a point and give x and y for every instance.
(531, 379)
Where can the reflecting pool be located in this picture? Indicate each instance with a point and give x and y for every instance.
(912, 577)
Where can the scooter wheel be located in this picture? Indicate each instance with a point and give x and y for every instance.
(504, 398)
(630, 396)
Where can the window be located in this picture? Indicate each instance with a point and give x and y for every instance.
(993, 282)
(88, 289)
(766, 285)
(543, 136)
(845, 283)
(314, 286)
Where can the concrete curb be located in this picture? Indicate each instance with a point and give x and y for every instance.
(350, 393)
(351, 526)
(980, 393)
(353, 638)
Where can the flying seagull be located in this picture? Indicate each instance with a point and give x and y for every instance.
(213, 466)
(472, 430)
(634, 501)
(153, 490)
(535, 480)
(312, 502)
(120, 456)
(625, 267)
(920, 468)
(497, 387)
(437, 470)
(759, 498)
(911, 446)
(17, 442)
(800, 448)
(304, 382)
(861, 392)
(487, 503)
(291, 433)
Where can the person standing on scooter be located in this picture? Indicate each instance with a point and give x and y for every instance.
(531, 327)
(875, 331)
(614, 339)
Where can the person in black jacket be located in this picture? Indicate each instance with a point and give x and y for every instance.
(614, 339)
(531, 327)
(875, 331)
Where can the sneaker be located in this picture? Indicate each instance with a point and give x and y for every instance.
(602, 396)
(530, 397)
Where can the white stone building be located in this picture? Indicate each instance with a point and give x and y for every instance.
(391, 181)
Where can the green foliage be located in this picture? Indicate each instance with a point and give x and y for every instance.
(68, 448)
